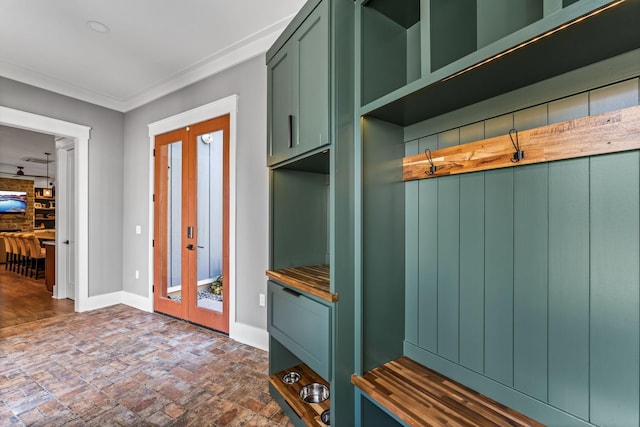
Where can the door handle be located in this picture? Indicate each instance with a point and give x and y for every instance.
(66, 242)
(290, 136)
(190, 247)
(291, 292)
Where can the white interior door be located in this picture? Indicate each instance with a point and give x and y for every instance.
(66, 224)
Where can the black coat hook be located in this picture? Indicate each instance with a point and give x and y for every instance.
(432, 167)
(519, 154)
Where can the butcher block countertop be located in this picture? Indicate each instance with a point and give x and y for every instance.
(313, 280)
(420, 397)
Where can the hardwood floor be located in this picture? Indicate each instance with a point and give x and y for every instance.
(23, 300)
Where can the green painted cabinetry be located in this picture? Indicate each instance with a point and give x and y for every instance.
(310, 154)
(423, 58)
(301, 324)
(522, 283)
(298, 89)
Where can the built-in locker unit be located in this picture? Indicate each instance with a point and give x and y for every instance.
(519, 282)
(311, 268)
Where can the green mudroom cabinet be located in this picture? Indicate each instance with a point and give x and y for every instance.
(311, 269)
(521, 283)
(298, 89)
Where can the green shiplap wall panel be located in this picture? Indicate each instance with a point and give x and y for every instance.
(530, 280)
(548, 269)
(448, 244)
(498, 350)
(428, 256)
(472, 271)
(569, 271)
(614, 97)
(569, 286)
(530, 118)
(448, 138)
(614, 345)
(530, 266)
(498, 126)
(411, 241)
(569, 108)
(472, 132)
(614, 273)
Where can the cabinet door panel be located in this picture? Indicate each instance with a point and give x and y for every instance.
(302, 325)
(312, 49)
(280, 107)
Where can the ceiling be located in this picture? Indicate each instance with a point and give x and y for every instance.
(152, 48)
(18, 144)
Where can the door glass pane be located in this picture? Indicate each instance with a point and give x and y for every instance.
(210, 209)
(172, 206)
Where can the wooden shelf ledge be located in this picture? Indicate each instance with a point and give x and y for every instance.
(600, 134)
(313, 280)
(420, 396)
(309, 412)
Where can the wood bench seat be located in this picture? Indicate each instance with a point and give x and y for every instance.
(420, 396)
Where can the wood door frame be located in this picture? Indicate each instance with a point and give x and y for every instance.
(161, 250)
(197, 314)
(188, 308)
(228, 105)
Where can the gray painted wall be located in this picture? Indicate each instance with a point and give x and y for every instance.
(248, 80)
(105, 173)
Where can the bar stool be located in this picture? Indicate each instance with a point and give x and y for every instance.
(7, 250)
(24, 258)
(37, 254)
(13, 250)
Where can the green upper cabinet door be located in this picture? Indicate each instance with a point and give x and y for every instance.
(312, 48)
(281, 108)
(298, 90)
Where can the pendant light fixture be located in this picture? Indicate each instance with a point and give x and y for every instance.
(47, 192)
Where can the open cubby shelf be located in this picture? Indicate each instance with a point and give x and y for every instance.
(485, 57)
(310, 413)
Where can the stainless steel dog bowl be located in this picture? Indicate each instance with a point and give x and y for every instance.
(325, 417)
(291, 377)
(314, 393)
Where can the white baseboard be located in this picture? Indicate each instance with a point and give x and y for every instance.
(250, 335)
(137, 301)
(100, 301)
(121, 297)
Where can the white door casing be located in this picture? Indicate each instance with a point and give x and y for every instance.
(65, 215)
(79, 134)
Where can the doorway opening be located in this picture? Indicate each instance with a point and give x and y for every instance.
(191, 223)
(78, 138)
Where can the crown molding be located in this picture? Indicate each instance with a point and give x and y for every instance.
(42, 81)
(247, 48)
